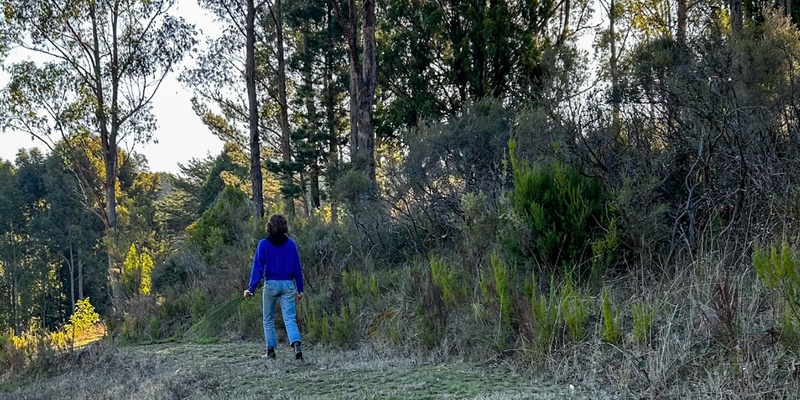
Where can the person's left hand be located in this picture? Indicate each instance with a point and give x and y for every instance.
(247, 293)
(299, 296)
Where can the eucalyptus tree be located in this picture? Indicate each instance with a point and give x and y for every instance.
(363, 82)
(100, 64)
(243, 54)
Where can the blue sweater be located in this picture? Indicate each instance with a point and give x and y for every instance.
(276, 258)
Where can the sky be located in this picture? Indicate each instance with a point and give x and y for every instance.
(180, 134)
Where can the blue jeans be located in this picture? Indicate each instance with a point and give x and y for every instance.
(286, 291)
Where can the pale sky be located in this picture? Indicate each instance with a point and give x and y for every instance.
(180, 133)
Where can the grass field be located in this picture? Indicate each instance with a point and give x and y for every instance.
(235, 370)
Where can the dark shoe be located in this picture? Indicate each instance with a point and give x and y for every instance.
(298, 353)
(270, 354)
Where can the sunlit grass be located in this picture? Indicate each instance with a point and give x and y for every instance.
(90, 335)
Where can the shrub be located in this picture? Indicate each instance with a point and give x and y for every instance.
(82, 319)
(225, 224)
(544, 310)
(344, 329)
(431, 312)
(248, 319)
(575, 310)
(778, 271)
(643, 315)
(556, 214)
(503, 292)
(445, 279)
(610, 330)
(136, 272)
(12, 357)
(354, 286)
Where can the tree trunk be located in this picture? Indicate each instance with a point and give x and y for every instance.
(565, 29)
(109, 147)
(613, 63)
(312, 126)
(736, 16)
(355, 78)
(283, 115)
(682, 11)
(14, 301)
(330, 118)
(80, 280)
(252, 102)
(71, 279)
(366, 95)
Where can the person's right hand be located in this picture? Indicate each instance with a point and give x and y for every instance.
(299, 296)
(247, 293)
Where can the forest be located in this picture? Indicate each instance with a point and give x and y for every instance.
(599, 189)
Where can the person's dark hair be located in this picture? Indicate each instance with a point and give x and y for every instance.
(277, 225)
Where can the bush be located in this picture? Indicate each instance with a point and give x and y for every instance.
(544, 310)
(643, 315)
(575, 309)
(780, 272)
(610, 330)
(226, 223)
(557, 214)
(503, 291)
(137, 272)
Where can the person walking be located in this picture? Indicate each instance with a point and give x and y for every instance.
(277, 261)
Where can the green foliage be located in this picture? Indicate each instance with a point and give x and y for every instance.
(316, 324)
(556, 214)
(575, 309)
(351, 186)
(200, 303)
(610, 329)
(355, 288)
(643, 316)
(503, 292)
(225, 223)
(248, 318)
(373, 287)
(137, 272)
(445, 279)
(545, 312)
(428, 325)
(84, 316)
(169, 274)
(780, 271)
(344, 329)
(481, 221)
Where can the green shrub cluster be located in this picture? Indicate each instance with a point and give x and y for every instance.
(447, 281)
(610, 330)
(544, 316)
(779, 271)
(137, 272)
(643, 316)
(560, 220)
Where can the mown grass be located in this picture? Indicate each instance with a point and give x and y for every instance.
(235, 370)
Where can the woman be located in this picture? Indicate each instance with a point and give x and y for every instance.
(278, 262)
